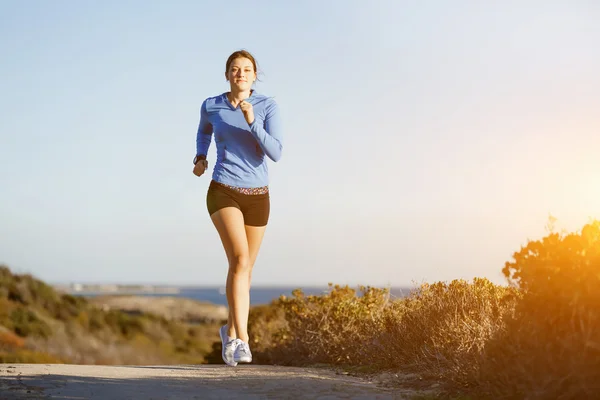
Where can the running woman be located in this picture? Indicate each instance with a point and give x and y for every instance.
(247, 127)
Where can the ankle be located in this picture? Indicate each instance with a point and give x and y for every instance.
(230, 330)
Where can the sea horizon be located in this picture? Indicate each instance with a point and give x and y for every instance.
(215, 294)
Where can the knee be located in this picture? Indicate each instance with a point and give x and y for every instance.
(240, 264)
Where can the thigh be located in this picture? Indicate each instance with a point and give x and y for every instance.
(255, 236)
(229, 222)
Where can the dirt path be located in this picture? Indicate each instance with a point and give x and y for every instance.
(62, 381)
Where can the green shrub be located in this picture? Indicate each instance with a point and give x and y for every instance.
(25, 322)
(123, 324)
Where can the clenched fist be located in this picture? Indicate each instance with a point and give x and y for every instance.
(200, 167)
(248, 111)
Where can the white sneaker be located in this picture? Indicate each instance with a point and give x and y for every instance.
(242, 352)
(228, 347)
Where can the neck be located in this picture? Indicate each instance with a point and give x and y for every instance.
(236, 96)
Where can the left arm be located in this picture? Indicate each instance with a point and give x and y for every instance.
(270, 136)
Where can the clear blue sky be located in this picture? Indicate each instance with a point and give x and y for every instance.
(424, 140)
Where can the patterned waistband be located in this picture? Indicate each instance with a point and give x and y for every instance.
(258, 190)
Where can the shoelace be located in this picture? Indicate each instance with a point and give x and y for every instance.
(244, 347)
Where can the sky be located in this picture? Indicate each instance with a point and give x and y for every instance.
(423, 140)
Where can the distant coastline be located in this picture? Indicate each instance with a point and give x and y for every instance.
(97, 289)
(212, 294)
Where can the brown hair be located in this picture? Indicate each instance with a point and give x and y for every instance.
(240, 54)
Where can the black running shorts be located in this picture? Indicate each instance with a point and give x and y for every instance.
(254, 207)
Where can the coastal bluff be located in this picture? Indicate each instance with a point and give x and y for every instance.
(169, 307)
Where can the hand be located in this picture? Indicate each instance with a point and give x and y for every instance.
(248, 111)
(200, 167)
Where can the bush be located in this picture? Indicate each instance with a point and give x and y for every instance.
(25, 322)
(268, 330)
(123, 324)
(552, 345)
(439, 331)
(330, 328)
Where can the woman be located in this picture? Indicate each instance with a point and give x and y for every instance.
(246, 126)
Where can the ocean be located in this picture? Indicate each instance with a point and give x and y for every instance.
(258, 295)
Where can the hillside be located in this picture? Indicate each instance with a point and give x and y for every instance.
(171, 308)
(39, 324)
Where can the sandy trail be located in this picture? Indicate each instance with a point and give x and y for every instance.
(64, 381)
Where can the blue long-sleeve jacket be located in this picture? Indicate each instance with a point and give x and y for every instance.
(241, 148)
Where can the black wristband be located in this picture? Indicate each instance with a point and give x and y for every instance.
(198, 158)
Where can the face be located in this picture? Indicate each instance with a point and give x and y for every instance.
(241, 74)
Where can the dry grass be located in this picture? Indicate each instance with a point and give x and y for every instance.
(438, 331)
(38, 324)
(536, 339)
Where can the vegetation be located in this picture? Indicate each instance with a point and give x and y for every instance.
(38, 324)
(536, 338)
(438, 332)
(552, 345)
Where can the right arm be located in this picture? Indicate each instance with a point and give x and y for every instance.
(203, 139)
(204, 134)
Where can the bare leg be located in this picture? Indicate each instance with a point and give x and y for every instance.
(255, 236)
(229, 222)
(230, 325)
